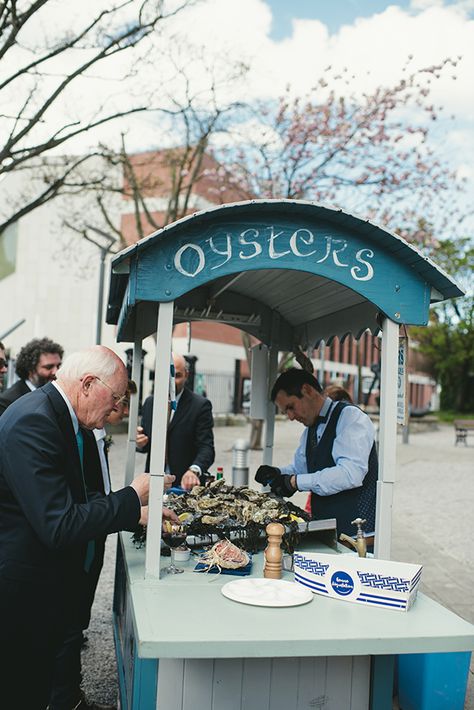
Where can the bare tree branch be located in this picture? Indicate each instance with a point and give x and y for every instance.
(34, 121)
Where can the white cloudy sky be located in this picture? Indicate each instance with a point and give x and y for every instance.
(285, 43)
(283, 50)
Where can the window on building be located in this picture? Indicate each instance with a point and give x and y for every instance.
(8, 241)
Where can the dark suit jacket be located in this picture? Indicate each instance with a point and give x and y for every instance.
(93, 473)
(94, 482)
(45, 522)
(190, 437)
(13, 393)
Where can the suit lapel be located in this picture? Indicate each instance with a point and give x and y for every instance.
(92, 466)
(23, 388)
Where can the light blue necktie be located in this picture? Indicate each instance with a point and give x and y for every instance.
(90, 552)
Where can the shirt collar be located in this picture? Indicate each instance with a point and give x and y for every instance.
(75, 421)
(327, 404)
(30, 385)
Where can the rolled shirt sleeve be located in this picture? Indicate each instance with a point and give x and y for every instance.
(355, 437)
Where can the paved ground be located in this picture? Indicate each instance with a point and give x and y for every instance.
(432, 525)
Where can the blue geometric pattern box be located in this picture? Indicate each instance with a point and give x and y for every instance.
(365, 580)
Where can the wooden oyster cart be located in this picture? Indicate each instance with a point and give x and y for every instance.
(291, 274)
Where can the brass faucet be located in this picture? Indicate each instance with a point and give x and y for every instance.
(359, 544)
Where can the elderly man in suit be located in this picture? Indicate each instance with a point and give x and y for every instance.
(190, 440)
(36, 365)
(48, 518)
(67, 674)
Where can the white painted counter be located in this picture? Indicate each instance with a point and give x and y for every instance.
(186, 617)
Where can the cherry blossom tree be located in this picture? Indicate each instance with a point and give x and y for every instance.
(367, 153)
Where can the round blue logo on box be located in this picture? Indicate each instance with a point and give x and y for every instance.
(342, 583)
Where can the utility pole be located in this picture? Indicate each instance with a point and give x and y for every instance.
(104, 250)
(10, 330)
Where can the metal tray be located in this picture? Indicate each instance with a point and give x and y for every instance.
(326, 527)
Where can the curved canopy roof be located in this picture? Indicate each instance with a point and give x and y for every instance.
(289, 272)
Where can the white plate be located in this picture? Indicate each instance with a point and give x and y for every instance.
(266, 592)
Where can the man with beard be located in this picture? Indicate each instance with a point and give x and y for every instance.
(36, 365)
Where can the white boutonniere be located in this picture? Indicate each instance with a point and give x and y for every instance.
(108, 441)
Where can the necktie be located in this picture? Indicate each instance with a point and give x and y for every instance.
(80, 446)
(90, 551)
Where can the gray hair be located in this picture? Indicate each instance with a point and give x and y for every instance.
(98, 361)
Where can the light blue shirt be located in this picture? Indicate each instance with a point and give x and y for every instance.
(352, 445)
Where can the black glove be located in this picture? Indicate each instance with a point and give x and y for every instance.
(280, 484)
(266, 474)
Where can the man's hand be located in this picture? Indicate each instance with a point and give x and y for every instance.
(141, 484)
(169, 479)
(280, 484)
(141, 439)
(266, 474)
(189, 480)
(167, 515)
(143, 515)
(170, 515)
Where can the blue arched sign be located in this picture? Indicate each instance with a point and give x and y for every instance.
(378, 267)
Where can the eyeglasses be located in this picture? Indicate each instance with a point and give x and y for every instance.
(118, 399)
(3, 363)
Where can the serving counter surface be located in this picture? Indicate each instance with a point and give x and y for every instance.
(186, 616)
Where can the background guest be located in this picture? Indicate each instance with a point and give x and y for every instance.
(37, 363)
(190, 437)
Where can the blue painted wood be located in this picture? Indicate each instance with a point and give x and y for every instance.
(145, 677)
(142, 694)
(179, 262)
(382, 271)
(433, 681)
(120, 669)
(137, 676)
(381, 682)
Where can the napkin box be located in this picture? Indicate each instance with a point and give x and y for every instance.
(373, 582)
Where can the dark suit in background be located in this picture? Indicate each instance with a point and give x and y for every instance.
(190, 434)
(45, 526)
(10, 395)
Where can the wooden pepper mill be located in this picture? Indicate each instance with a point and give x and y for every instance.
(273, 553)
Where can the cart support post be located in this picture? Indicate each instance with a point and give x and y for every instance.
(387, 438)
(272, 373)
(158, 439)
(133, 411)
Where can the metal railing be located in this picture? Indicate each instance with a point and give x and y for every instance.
(219, 388)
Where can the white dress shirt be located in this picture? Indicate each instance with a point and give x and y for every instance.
(355, 435)
(100, 435)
